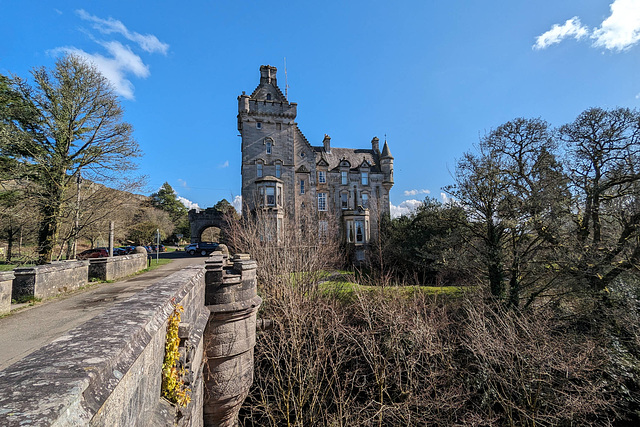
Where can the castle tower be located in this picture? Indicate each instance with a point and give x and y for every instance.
(266, 122)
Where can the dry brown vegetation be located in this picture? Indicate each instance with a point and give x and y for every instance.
(380, 359)
(395, 359)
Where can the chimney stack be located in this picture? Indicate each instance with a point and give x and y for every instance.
(327, 143)
(375, 144)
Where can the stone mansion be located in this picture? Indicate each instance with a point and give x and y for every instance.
(284, 176)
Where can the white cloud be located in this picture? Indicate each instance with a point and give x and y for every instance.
(571, 28)
(120, 61)
(446, 199)
(404, 208)
(224, 165)
(416, 192)
(182, 183)
(147, 42)
(621, 29)
(237, 203)
(188, 203)
(115, 68)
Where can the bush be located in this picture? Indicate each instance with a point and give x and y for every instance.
(397, 359)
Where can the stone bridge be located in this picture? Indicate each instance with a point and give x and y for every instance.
(108, 371)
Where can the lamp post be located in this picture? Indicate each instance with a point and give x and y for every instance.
(157, 244)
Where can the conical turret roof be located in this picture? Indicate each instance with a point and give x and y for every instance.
(385, 151)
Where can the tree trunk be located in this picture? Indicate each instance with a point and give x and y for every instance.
(48, 233)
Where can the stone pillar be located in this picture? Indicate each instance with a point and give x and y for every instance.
(230, 336)
(6, 282)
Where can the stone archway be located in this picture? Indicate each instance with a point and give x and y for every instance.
(200, 221)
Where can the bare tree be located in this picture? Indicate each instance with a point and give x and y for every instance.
(604, 167)
(78, 127)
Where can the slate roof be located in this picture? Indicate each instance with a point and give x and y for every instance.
(355, 156)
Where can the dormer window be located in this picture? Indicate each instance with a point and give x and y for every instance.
(268, 144)
(343, 177)
(322, 177)
(364, 176)
(268, 97)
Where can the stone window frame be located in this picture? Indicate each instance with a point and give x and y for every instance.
(269, 144)
(278, 166)
(344, 200)
(322, 177)
(259, 168)
(364, 197)
(344, 177)
(364, 177)
(264, 188)
(302, 189)
(322, 202)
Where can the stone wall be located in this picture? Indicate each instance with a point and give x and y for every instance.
(108, 370)
(44, 281)
(112, 268)
(6, 281)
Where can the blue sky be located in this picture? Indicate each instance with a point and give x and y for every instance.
(433, 76)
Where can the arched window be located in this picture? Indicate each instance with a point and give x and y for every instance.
(268, 97)
(268, 147)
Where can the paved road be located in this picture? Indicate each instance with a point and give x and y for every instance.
(29, 329)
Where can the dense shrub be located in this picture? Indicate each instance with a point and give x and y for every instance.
(385, 359)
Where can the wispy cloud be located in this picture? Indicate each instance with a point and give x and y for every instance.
(557, 33)
(416, 192)
(147, 42)
(183, 183)
(620, 31)
(224, 165)
(119, 62)
(404, 208)
(188, 203)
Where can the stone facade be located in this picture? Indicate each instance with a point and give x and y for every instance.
(286, 177)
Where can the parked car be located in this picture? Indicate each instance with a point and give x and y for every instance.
(191, 249)
(119, 251)
(205, 248)
(162, 248)
(93, 253)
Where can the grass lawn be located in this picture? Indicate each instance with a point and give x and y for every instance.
(344, 289)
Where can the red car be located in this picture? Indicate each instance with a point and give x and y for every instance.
(93, 253)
